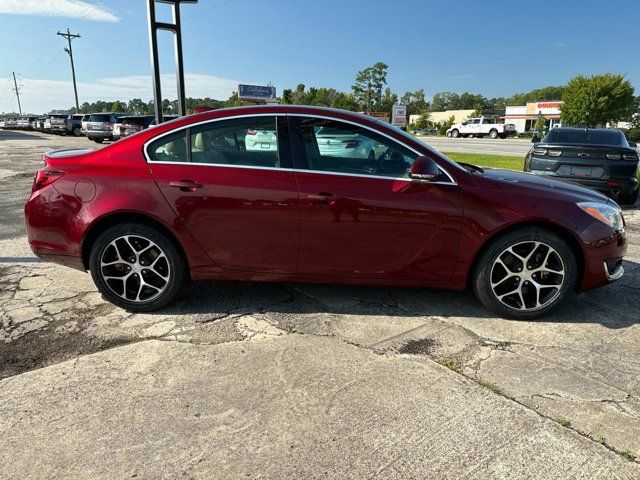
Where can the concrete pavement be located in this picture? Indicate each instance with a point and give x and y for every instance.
(281, 406)
(579, 367)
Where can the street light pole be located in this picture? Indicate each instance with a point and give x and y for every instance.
(69, 36)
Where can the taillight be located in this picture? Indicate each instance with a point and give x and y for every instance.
(630, 156)
(614, 156)
(554, 153)
(45, 177)
(251, 132)
(539, 151)
(352, 144)
(108, 126)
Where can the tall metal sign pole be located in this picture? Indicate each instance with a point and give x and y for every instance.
(174, 27)
(69, 36)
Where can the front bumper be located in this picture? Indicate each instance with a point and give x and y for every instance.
(604, 249)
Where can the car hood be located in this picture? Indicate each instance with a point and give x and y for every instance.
(530, 183)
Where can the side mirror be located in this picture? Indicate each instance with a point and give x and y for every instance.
(424, 168)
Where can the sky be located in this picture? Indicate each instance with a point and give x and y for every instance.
(491, 47)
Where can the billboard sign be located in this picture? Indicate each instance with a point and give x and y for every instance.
(399, 115)
(256, 92)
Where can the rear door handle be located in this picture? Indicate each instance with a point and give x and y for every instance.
(322, 198)
(186, 185)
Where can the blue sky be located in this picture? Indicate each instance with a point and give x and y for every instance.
(490, 47)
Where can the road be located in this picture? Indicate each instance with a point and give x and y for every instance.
(281, 380)
(510, 146)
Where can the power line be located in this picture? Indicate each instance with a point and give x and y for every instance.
(69, 36)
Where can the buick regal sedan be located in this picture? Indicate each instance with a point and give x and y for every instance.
(187, 200)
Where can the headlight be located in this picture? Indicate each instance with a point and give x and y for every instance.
(604, 212)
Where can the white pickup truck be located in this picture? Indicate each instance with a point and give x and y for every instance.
(479, 127)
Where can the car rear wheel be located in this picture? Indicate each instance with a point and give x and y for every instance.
(138, 268)
(77, 132)
(98, 140)
(525, 274)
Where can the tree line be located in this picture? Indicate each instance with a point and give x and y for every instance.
(588, 100)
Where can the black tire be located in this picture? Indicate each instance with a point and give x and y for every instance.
(63, 133)
(481, 276)
(175, 267)
(77, 132)
(455, 133)
(629, 199)
(98, 140)
(493, 134)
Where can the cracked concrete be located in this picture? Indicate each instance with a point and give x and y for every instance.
(581, 364)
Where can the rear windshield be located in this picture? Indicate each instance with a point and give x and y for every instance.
(59, 116)
(100, 118)
(136, 120)
(594, 137)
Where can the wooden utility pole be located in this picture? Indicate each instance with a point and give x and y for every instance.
(69, 36)
(17, 93)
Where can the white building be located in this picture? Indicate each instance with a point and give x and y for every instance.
(524, 117)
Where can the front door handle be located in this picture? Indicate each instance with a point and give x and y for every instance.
(321, 198)
(186, 185)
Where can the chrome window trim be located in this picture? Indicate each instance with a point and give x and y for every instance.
(281, 114)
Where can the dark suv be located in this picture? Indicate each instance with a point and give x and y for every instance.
(100, 126)
(598, 158)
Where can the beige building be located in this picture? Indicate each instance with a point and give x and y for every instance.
(441, 117)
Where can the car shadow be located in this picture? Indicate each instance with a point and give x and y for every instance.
(14, 135)
(613, 306)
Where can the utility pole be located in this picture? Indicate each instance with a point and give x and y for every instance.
(17, 94)
(69, 36)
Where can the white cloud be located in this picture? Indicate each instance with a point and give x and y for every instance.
(41, 95)
(58, 8)
(559, 44)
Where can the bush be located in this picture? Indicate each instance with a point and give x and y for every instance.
(447, 125)
(632, 134)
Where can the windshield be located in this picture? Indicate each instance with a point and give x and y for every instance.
(587, 136)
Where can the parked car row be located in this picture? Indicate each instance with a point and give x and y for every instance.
(97, 127)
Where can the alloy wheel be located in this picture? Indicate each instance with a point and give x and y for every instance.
(135, 268)
(527, 276)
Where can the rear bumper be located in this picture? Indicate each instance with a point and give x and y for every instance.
(612, 186)
(98, 134)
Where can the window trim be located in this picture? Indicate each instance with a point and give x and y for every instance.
(280, 169)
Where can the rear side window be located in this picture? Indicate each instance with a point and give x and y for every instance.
(170, 148)
(251, 142)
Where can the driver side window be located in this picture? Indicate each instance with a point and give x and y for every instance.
(333, 146)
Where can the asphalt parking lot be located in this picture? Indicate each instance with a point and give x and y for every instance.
(498, 146)
(281, 380)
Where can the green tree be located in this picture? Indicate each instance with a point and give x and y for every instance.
(118, 106)
(389, 99)
(424, 120)
(597, 100)
(446, 125)
(540, 125)
(369, 85)
(414, 101)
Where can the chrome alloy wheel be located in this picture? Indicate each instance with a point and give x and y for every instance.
(135, 268)
(527, 276)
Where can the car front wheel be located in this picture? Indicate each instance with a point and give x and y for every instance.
(525, 274)
(455, 134)
(138, 268)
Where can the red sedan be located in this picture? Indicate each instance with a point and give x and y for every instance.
(305, 194)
